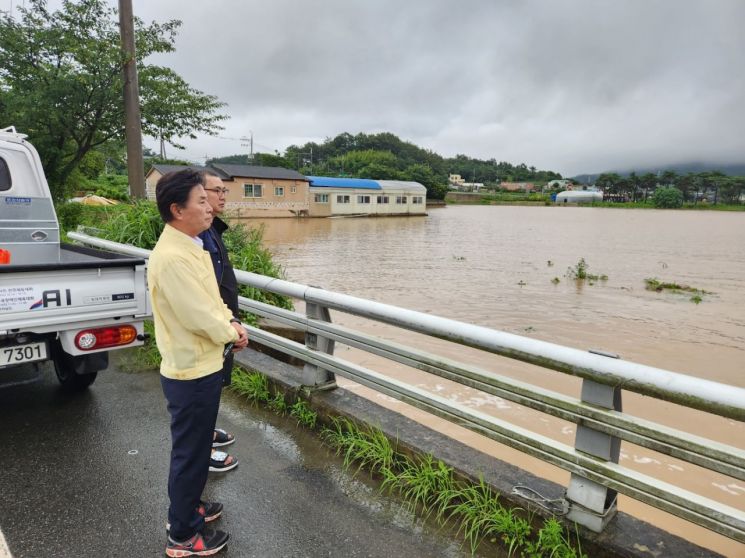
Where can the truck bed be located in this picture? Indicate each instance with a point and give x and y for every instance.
(87, 284)
(77, 257)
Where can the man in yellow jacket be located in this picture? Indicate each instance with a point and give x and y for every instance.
(193, 328)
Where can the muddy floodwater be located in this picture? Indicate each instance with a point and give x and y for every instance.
(505, 268)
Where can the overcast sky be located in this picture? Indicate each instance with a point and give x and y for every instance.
(572, 85)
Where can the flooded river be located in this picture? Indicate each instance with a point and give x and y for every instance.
(497, 267)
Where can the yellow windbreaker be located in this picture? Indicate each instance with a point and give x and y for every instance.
(192, 323)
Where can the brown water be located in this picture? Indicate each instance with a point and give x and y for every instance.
(493, 266)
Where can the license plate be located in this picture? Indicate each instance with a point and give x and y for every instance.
(18, 354)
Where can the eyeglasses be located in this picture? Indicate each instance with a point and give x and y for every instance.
(219, 191)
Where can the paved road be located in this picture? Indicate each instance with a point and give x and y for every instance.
(86, 476)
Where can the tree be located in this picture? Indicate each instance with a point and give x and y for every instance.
(424, 175)
(669, 178)
(648, 182)
(609, 182)
(61, 83)
(687, 184)
(667, 197)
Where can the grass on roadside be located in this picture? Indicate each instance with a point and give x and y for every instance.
(426, 485)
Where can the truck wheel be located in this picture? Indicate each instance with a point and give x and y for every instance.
(72, 382)
(76, 373)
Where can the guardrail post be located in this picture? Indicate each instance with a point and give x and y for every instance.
(315, 376)
(592, 504)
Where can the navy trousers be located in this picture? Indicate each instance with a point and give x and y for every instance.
(193, 406)
(227, 370)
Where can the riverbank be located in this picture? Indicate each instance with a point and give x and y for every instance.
(506, 198)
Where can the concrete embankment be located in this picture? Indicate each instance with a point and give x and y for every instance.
(625, 537)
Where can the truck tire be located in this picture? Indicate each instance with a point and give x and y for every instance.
(76, 373)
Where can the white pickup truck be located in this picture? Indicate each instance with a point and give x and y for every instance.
(60, 303)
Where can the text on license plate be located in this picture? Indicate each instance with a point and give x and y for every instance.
(22, 353)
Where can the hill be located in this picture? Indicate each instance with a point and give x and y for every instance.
(731, 169)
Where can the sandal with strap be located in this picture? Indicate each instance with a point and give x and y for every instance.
(221, 462)
(222, 438)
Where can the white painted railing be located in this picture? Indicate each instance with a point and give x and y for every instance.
(596, 475)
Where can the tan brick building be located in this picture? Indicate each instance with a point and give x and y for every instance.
(254, 191)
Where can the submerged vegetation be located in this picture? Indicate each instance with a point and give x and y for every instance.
(427, 486)
(654, 284)
(579, 272)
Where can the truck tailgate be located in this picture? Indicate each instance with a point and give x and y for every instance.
(88, 285)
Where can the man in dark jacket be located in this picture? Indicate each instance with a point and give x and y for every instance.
(213, 243)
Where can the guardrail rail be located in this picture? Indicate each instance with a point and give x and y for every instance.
(596, 475)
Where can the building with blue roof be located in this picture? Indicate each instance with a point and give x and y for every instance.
(330, 196)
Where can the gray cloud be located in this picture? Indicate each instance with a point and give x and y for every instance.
(573, 86)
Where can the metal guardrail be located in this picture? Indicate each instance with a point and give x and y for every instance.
(596, 476)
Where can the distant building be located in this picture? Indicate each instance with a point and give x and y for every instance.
(562, 183)
(517, 186)
(358, 196)
(459, 183)
(579, 196)
(255, 191)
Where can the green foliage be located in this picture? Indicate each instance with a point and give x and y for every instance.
(580, 272)
(553, 541)
(61, 83)
(667, 197)
(148, 356)
(422, 480)
(429, 485)
(368, 447)
(514, 197)
(424, 483)
(112, 186)
(278, 403)
(244, 245)
(253, 385)
(69, 215)
(654, 284)
(304, 414)
(138, 224)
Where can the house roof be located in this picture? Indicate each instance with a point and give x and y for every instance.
(403, 186)
(163, 169)
(356, 183)
(253, 171)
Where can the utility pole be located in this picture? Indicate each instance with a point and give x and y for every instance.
(132, 120)
(250, 145)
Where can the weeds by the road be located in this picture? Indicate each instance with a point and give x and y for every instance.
(304, 414)
(254, 386)
(426, 485)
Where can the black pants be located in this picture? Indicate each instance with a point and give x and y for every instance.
(193, 406)
(227, 369)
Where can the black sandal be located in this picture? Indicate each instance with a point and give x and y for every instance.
(218, 462)
(222, 438)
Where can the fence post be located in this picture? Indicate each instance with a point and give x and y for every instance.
(592, 504)
(314, 376)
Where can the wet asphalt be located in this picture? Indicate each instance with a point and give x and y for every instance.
(86, 475)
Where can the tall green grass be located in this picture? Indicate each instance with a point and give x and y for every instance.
(427, 486)
(430, 487)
